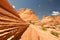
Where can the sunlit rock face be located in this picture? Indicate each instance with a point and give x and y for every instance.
(51, 19)
(57, 18)
(29, 16)
(33, 33)
(11, 25)
(49, 31)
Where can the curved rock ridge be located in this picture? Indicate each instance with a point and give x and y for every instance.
(48, 28)
(35, 33)
(26, 25)
(51, 19)
(29, 16)
(11, 25)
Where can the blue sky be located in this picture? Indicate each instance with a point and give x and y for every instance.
(40, 7)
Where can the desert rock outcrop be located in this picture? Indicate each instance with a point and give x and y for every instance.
(51, 19)
(11, 25)
(29, 16)
(33, 33)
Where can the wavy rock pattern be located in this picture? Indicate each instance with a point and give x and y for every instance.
(11, 25)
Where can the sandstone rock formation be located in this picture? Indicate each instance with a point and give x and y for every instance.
(29, 16)
(35, 33)
(50, 25)
(11, 25)
(51, 19)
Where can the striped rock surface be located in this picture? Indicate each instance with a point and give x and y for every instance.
(11, 25)
(35, 33)
(29, 16)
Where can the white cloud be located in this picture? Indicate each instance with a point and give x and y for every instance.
(55, 13)
(13, 6)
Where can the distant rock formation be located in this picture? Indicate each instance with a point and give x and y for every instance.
(51, 19)
(50, 25)
(29, 16)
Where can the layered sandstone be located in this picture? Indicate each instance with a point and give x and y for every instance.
(29, 16)
(51, 19)
(35, 33)
(48, 28)
(11, 25)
